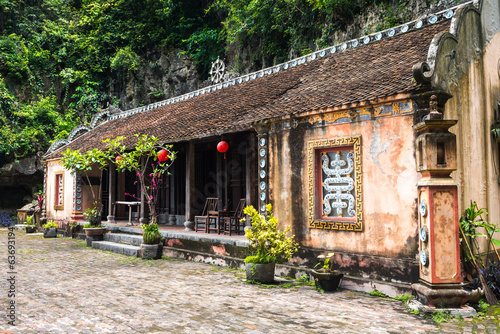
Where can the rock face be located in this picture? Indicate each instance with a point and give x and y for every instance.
(167, 75)
(18, 182)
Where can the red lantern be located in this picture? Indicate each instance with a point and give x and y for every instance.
(117, 159)
(163, 155)
(222, 147)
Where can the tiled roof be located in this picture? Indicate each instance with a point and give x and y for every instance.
(355, 72)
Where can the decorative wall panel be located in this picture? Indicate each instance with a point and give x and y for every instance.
(335, 184)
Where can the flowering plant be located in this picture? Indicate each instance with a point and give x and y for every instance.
(144, 160)
(6, 220)
(267, 242)
(39, 198)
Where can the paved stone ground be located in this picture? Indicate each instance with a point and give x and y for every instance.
(63, 287)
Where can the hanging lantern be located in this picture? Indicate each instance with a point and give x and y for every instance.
(222, 147)
(163, 155)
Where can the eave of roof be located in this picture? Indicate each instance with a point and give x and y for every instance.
(365, 69)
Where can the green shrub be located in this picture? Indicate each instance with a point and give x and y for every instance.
(266, 241)
(50, 224)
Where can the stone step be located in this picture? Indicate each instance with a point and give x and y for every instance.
(128, 250)
(122, 238)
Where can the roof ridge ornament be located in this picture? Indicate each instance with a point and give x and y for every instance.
(217, 71)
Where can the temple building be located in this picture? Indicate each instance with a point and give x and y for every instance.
(371, 149)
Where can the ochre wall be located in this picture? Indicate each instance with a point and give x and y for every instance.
(64, 214)
(473, 78)
(54, 167)
(389, 186)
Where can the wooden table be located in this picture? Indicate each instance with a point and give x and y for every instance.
(217, 216)
(130, 205)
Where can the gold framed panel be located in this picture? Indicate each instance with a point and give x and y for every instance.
(313, 220)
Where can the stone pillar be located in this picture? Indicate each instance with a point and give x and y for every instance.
(439, 245)
(112, 190)
(190, 187)
(43, 218)
(77, 213)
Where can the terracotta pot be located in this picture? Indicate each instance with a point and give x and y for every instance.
(260, 272)
(328, 281)
(93, 231)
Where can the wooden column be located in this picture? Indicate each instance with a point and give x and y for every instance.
(144, 208)
(190, 187)
(112, 190)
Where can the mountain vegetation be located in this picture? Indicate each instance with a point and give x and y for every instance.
(62, 60)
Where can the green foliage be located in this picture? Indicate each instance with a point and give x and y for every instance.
(204, 46)
(67, 55)
(50, 224)
(89, 225)
(29, 221)
(266, 241)
(151, 233)
(404, 298)
(441, 316)
(377, 293)
(92, 214)
(473, 225)
(327, 263)
(125, 60)
(27, 128)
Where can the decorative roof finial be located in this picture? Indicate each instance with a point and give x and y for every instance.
(217, 71)
(433, 109)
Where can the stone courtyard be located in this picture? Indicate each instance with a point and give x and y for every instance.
(61, 286)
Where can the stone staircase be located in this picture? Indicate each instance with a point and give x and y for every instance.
(120, 243)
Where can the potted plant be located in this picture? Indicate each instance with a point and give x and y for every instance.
(151, 247)
(30, 225)
(326, 278)
(93, 216)
(268, 245)
(50, 229)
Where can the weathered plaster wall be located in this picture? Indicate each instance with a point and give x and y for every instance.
(389, 186)
(54, 167)
(473, 78)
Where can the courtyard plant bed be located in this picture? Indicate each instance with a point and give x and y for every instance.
(325, 278)
(268, 245)
(50, 230)
(152, 246)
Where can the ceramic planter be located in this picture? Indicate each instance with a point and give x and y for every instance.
(260, 272)
(151, 252)
(328, 281)
(94, 231)
(50, 232)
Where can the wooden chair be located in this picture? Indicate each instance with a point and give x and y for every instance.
(233, 223)
(201, 222)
